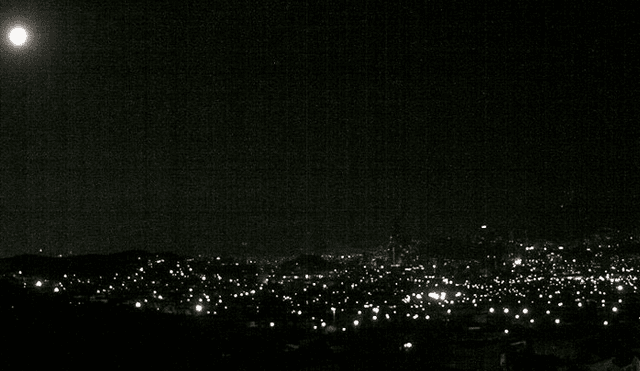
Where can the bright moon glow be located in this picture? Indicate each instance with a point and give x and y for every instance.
(18, 36)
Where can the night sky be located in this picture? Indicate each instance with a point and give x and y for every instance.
(195, 128)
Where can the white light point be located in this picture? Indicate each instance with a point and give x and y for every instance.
(18, 36)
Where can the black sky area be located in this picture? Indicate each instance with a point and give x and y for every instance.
(194, 127)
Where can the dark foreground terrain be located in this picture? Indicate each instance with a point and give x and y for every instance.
(45, 332)
(41, 332)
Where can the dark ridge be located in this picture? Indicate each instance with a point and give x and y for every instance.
(305, 264)
(90, 264)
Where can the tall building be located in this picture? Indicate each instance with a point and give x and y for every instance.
(393, 250)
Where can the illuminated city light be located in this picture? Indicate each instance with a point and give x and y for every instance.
(198, 308)
(356, 323)
(138, 304)
(557, 320)
(39, 284)
(525, 311)
(407, 345)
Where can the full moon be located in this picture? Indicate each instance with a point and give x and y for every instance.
(18, 36)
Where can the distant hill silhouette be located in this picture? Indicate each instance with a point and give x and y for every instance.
(85, 265)
(305, 264)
